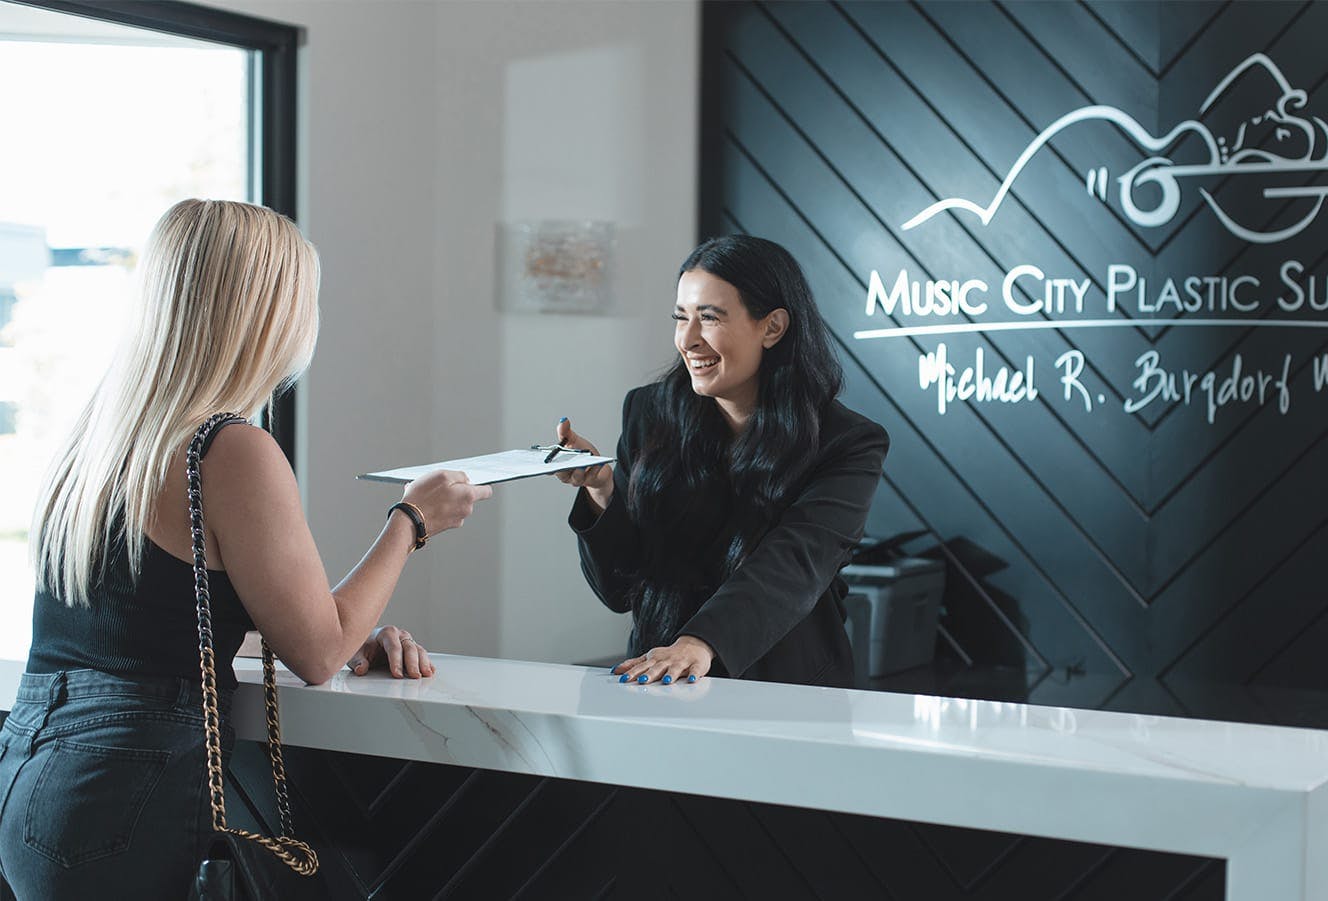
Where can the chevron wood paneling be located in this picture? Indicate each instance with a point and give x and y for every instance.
(1154, 561)
(388, 829)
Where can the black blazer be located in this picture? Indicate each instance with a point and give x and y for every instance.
(779, 617)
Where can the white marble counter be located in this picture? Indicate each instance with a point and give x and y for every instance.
(1254, 795)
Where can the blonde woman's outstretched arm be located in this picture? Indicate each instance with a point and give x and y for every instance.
(252, 509)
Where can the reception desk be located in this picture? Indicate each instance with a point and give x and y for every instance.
(1252, 796)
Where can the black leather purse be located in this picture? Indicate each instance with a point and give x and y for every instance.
(238, 864)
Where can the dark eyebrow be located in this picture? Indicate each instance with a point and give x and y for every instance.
(704, 308)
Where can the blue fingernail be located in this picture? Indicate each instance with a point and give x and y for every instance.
(667, 679)
(624, 678)
(642, 677)
(561, 421)
(691, 678)
(612, 668)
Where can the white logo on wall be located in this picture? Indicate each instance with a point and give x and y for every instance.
(1125, 297)
(1302, 143)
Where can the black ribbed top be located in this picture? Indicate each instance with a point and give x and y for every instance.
(148, 629)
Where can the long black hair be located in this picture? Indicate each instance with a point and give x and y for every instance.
(696, 488)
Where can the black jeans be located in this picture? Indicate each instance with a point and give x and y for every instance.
(103, 787)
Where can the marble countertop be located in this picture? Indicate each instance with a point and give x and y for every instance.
(1255, 795)
(1161, 748)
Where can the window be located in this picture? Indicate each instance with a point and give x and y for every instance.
(107, 124)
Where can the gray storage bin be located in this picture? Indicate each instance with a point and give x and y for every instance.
(892, 613)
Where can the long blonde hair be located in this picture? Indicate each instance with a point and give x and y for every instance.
(227, 313)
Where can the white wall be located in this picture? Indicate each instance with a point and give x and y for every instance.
(425, 125)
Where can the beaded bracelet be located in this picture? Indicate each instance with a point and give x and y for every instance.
(421, 533)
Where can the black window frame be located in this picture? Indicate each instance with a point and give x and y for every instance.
(276, 45)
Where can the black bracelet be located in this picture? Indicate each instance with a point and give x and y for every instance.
(421, 533)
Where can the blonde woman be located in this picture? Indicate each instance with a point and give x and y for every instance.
(102, 786)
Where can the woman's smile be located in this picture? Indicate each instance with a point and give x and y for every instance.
(702, 365)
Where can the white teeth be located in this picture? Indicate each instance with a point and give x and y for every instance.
(703, 364)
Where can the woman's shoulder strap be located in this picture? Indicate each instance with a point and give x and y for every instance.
(216, 430)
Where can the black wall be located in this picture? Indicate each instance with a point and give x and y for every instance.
(1151, 560)
(389, 829)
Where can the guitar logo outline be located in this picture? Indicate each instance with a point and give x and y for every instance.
(1162, 172)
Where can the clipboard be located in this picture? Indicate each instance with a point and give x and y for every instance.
(490, 469)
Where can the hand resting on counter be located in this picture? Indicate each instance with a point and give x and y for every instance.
(387, 647)
(687, 659)
(396, 649)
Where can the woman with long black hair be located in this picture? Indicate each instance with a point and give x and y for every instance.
(741, 484)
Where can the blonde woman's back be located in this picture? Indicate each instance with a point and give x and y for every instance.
(227, 311)
(109, 710)
(103, 747)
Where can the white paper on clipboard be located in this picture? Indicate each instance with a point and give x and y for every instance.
(489, 469)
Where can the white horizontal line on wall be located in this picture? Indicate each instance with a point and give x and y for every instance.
(969, 327)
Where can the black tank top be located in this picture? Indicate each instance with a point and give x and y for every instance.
(148, 629)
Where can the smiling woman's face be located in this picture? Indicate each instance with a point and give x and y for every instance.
(720, 341)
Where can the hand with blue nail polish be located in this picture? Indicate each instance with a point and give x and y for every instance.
(688, 656)
(597, 480)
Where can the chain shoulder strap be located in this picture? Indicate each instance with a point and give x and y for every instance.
(294, 853)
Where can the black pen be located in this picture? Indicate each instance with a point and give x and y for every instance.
(553, 453)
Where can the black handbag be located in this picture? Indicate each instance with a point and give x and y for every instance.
(236, 867)
(238, 864)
